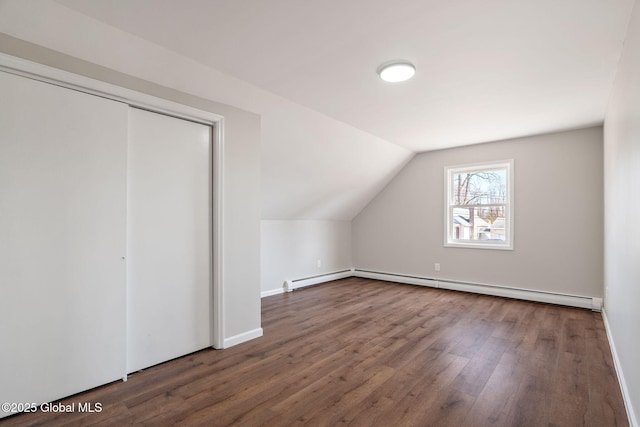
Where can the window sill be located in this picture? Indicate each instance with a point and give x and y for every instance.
(469, 245)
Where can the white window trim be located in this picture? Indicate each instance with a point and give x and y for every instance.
(449, 171)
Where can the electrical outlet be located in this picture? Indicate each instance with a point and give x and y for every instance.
(319, 263)
(437, 266)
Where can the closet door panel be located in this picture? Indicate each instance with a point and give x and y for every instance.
(62, 239)
(169, 238)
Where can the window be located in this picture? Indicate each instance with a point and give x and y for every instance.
(479, 205)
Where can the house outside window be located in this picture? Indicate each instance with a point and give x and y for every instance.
(479, 205)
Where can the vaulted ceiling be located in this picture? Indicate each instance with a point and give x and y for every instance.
(486, 70)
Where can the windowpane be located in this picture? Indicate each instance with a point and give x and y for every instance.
(479, 223)
(479, 206)
(480, 187)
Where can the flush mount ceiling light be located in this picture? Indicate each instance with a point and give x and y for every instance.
(396, 71)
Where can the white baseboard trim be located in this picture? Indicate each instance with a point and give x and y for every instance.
(271, 292)
(290, 285)
(594, 304)
(633, 421)
(243, 337)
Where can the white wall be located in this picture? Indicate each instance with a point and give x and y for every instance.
(314, 167)
(622, 215)
(291, 250)
(558, 218)
(241, 208)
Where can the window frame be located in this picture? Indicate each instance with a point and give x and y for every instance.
(449, 172)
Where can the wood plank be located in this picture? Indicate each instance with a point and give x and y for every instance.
(364, 352)
(493, 405)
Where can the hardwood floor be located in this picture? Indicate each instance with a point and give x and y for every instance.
(370, 353)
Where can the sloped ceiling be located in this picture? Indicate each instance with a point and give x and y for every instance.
(333, 132)
(487, 70)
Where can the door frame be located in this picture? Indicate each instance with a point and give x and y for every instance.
(44, 73)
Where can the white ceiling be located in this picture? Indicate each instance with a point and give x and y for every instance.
(332, 133)
(486, 70)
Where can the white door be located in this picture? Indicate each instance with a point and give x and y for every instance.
(62, 240)
(168, 238)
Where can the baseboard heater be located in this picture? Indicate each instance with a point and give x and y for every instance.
(592, 303)
(290, 285)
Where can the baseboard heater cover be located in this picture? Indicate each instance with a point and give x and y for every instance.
(592, 303)
(290, 285)
(398, 278)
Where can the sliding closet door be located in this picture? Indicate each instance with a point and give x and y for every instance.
(169, 238)
(62, 240)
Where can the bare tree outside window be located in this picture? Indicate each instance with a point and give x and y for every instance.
(479, 204)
